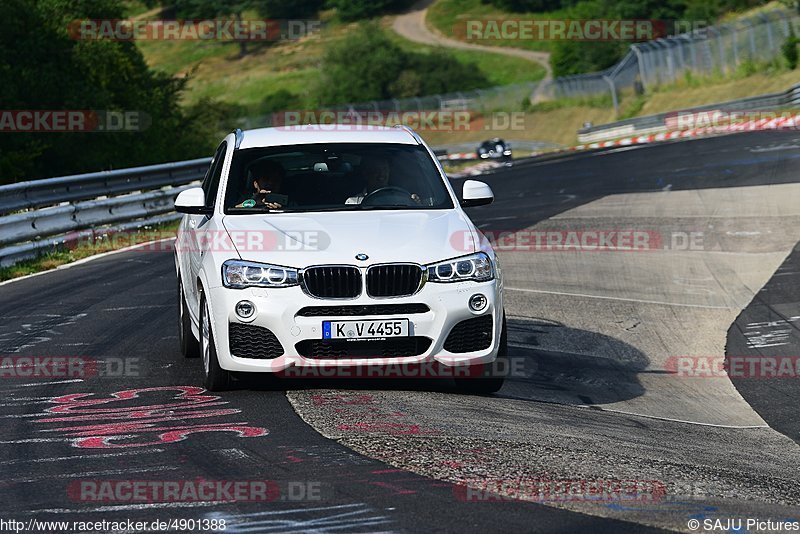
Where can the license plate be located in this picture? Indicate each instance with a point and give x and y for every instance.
(364, 329)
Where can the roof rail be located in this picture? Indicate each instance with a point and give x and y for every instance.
(410, 131)
(239, 137)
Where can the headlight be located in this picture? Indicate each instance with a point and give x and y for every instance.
(477, 267)
(239, 274)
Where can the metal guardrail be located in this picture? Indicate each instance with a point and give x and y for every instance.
(38, 193)
(68, 208)
(657, 123)
(13, 254)
(47, 222)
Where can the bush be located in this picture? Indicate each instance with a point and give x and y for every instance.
(789, 50)
(295, 9)
(47, 70)
(526, 6)
(350, 10)
(367, 65)
(576, 57)
(280, 100)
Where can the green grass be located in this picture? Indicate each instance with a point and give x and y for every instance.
(448, 18)
(558, 121)
(133, 8)
(59, 257)
(217, 72)
(497, 68)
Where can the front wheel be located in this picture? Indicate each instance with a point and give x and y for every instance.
(493, 374)
(215, 377)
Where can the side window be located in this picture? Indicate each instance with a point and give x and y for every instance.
(211, 180)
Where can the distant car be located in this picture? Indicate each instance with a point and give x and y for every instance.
(496, 149)
(368, 254)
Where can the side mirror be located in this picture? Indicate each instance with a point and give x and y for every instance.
(476, 193)
(193, 202)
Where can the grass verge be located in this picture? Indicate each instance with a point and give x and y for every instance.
(216, 71)
(449, 17)
(86, 248)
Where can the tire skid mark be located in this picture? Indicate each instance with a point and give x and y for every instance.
(125, 419)
(362, 415)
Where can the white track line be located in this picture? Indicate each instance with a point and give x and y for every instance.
(124, 507)
(47, 383)
(81, 457)
(87, 260)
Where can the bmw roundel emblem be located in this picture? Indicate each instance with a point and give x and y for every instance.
(362, 257)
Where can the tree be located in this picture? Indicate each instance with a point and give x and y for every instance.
(575, 57)
(526, 6)
(209, 9)
(366, 9)
(295, 9)
(789, 49)
(47, 70)
(367, 65)
(360, 67)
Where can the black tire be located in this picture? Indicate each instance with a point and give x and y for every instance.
(215, 378)
(189, 345)
(490, 382)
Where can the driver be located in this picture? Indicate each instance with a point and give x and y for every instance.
(377, 174)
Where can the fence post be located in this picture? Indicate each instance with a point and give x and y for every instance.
(708, 64)
(613, 94)
(670, 61)
(640, 61)
(720, 46)
(768, 24)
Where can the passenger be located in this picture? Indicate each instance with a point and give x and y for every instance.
(267, 179)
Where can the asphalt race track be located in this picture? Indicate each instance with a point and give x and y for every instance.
(611, 350)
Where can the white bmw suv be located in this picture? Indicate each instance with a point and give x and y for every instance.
(317, 247)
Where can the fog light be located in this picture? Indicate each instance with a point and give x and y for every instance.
(477, 302)
(245, 309)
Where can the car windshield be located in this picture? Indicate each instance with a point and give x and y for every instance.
(334, 177)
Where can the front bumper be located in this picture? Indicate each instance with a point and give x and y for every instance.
(276, 309)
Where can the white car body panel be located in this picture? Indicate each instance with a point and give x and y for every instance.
(386, 236)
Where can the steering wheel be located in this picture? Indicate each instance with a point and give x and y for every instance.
(389, 195)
